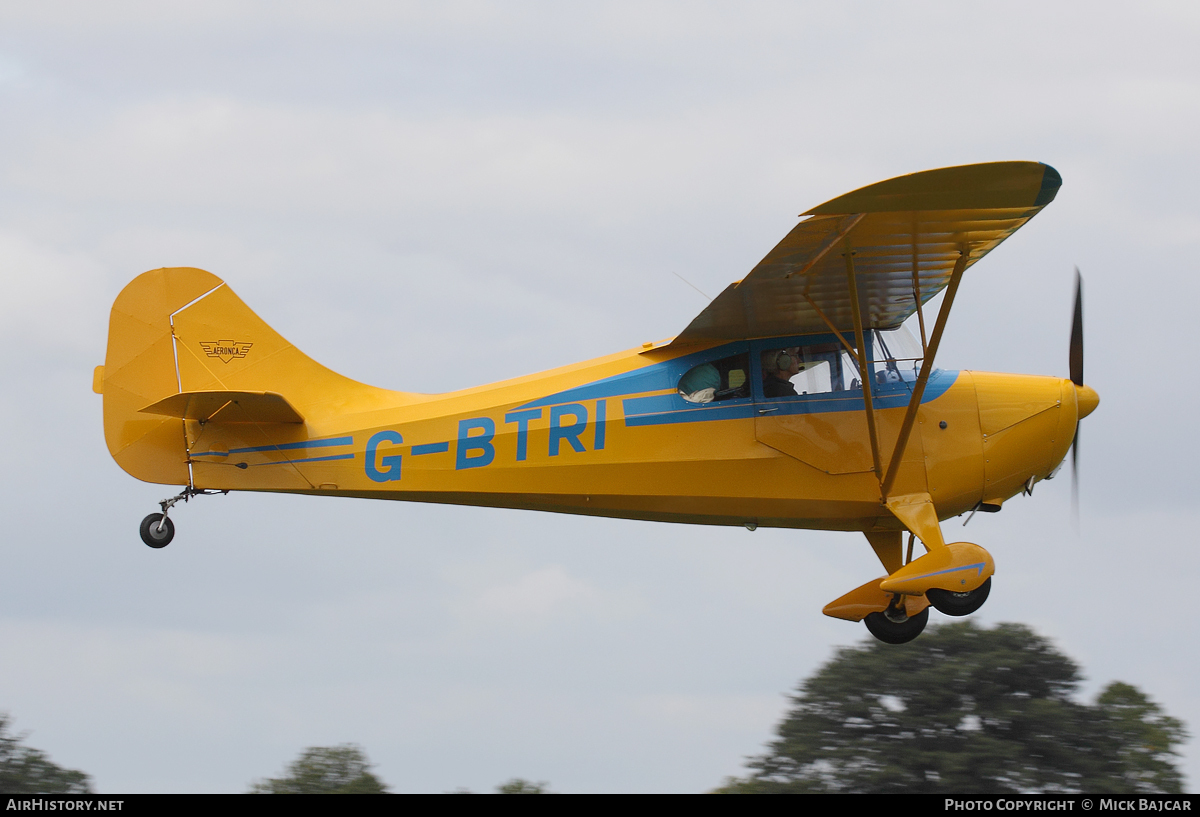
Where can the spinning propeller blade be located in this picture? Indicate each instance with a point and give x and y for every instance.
(1077, 333)
(1076, 356)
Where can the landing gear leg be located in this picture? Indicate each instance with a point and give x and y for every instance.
(157, 529)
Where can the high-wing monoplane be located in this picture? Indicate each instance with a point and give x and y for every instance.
(796, 399)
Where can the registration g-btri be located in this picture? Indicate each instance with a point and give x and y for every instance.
(796, 399)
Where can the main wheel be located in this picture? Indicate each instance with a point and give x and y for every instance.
(959, 604)
(153, 535)
(891, 633)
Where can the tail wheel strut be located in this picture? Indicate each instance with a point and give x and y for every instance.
(157, 530)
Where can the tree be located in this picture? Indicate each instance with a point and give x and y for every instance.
(965, 709)
(325, 770)
(24, 770)
(1142, 739)
(521, 786)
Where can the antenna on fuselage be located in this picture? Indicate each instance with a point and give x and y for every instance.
(689, 283)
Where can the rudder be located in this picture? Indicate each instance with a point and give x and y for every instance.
(139, 369)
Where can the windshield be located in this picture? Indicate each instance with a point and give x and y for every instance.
(896, 355)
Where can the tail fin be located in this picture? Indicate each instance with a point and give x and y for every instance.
(182, 330)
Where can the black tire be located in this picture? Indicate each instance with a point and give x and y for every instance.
(891, 633)
(959, 604)
(152, 536)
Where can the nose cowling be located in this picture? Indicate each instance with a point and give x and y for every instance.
(1027, 423)
(1087, 399)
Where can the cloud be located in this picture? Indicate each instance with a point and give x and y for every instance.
(537, 595)
(49, 298)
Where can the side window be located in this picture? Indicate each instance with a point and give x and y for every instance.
(723, 379)
(818, 368)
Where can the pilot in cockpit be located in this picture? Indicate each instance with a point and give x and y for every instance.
(779, 366)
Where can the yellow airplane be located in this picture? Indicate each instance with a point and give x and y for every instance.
(755, 415)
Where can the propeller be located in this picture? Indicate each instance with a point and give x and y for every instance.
(1076, 356)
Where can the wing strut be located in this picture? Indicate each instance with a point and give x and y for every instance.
(832, 328)
(862, 363)
(917, 286)
(914, 402)
(846, 226)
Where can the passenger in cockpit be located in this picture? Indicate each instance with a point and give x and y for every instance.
(700, 385)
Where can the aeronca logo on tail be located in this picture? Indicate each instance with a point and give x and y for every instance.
(225, 350)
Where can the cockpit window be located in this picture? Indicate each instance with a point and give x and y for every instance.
(822, 368)
(814, 369)
(723, 379)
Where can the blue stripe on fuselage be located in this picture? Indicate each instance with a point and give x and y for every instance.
(655, 409)
(333, 441)
(308, 459)
(655, 377)
(658, 409)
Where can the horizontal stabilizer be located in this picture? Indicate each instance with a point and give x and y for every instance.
(227, 407)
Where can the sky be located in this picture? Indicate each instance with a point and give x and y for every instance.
(430, 196)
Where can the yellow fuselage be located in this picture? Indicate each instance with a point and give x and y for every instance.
(598, 438)
(606, 437)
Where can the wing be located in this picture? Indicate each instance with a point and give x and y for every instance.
(917, 223)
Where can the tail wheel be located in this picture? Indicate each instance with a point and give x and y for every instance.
(157, 530)
(889, 632)
(959, 604)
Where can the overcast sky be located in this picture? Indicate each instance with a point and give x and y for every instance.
(431, 196)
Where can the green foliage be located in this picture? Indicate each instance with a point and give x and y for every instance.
(24, 770)
(1143, 736)
(325, 770)
(965, 709)
(520, 786)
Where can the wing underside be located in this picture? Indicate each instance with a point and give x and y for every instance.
(904, 237)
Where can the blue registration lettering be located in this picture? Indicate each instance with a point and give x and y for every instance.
(601, 413)
(522, 418)
(570, 432)
(478, 442)
(388, 468)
